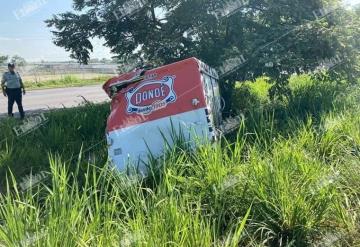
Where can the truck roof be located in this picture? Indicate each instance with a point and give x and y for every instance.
(131, 74)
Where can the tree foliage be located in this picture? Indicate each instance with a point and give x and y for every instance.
(3, 59)
(15, 59)
(19, 61)
(244, 39)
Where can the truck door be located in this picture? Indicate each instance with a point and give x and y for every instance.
(217, 102)
(213, 99)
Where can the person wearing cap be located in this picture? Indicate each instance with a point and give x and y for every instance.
(13, 87)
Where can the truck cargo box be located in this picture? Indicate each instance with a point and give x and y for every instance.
(148, 107)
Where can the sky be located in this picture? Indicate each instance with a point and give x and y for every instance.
(23, 31)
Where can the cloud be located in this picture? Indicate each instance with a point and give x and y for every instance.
(42, 48)
(9, 39)
(351, 2)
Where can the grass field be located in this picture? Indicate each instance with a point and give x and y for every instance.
(290, 176)
(59, 81)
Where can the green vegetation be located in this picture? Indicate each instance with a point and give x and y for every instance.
(289, 177)
(3, 59)
(15, 59)
(243, 39)
(66, 81)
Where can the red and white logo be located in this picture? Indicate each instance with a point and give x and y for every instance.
(151, 96)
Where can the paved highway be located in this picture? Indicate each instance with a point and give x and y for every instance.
(56, 98)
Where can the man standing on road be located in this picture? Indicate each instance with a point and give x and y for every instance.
(12, 84)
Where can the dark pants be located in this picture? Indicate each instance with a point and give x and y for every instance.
(14, 95)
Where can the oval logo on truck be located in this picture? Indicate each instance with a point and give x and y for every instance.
(151, 96)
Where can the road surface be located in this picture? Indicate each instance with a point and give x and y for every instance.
(56, 98)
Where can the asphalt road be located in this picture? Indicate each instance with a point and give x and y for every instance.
(56, 98)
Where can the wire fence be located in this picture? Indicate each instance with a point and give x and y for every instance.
(48, 71)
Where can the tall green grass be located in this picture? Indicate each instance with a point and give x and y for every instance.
(289, 177)
(66, 133)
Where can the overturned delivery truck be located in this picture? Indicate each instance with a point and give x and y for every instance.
(148, 106)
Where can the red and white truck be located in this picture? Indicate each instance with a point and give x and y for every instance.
(148, 106)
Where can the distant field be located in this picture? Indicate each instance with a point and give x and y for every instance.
(57, 75)
(69, 80)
